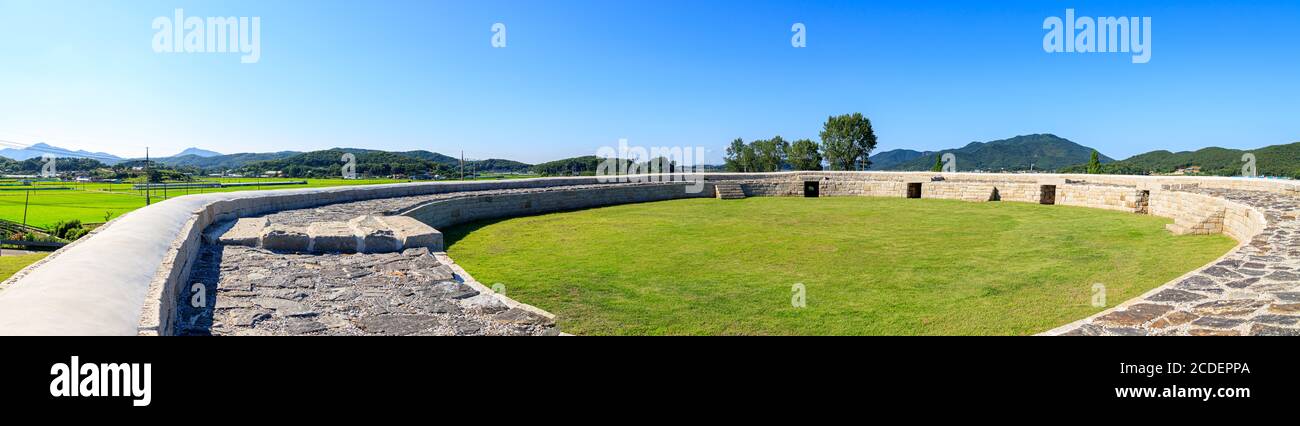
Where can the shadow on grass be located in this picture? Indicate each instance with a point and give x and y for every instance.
(454, 234)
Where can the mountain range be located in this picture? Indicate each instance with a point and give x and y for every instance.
(197, 151)
(888, 159)
(38, 149)
(1045, 152)
(1274, 160)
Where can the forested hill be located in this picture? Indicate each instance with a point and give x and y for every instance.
(1274, 160)
(1044, 152)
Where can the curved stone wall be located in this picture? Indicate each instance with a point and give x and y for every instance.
(124, 278)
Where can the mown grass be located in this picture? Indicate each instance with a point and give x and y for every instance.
(11, 264)
(869, 265)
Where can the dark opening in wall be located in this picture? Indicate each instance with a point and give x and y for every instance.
(1047, 194)
(812, 188)
(1143, 205)
(995, 196)
(914, 190)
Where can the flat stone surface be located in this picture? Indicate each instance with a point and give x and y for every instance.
(285, 238)
(1268, 330)
(260, 292)
(1135, 315)
(373, 235)
(414, 233)
(245, 231)
(332, 237)
(1253, 290)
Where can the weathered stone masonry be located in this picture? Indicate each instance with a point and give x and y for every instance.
(54, 296)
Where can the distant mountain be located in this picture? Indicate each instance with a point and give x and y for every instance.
(886, 159)
(432, 156)
(1273, 160)
(39, 149)
(327, 163)
(199, 152)
(493, 165)
(1044, 152)
(221, 162)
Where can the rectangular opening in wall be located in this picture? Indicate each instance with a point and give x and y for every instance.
(812, 188)
(1143, 204)
(1047, 194)
(914, 190)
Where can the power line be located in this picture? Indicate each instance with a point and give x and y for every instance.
(60, 151)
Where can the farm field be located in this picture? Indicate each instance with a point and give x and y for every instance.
(875, 266)
(96, 202)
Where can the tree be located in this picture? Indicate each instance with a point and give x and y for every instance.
(938, 162)
(732, 161)
(847, 141)
(805, 155)
(770, 154)
(1094, 164)
(748, 159)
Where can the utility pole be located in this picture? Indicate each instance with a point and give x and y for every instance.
(25, 203)
(462, 164)
(147, 200)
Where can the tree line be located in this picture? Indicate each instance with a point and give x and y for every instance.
(846, 144)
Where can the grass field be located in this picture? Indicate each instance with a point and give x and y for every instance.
(889, 266)
(90, 202)
(11, 264)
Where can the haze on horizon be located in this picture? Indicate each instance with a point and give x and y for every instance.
(579, 75)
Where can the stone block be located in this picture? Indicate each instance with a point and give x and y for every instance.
(373, 235)
(285, 238)
(332, 237)
(413, 233)
(242, 232)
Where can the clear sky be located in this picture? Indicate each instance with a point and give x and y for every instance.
(575, 76)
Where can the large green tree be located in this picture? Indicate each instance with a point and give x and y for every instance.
(770, 153)
(733, 161)
(938, 162)
(748, 159)
(805, 155)
(847, 141)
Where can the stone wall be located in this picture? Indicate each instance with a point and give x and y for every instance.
(454, 211)
(125, 276)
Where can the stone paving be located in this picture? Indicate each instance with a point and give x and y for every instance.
(254, 291)
(1254, 290)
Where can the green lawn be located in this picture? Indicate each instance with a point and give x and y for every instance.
(11, 264)
(869, 265)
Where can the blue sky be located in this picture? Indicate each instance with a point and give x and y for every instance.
(576, 76)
